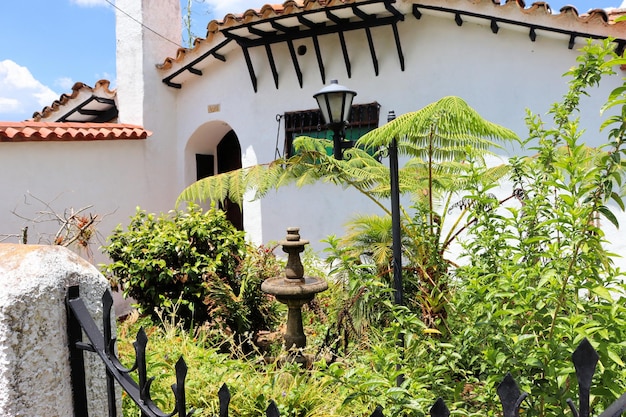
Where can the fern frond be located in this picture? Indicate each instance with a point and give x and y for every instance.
(205, 189)
(447, 122)
(370, 235)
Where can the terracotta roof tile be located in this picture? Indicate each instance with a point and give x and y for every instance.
(101, 89)
(266, 11)
(31, 131)
(600, 16)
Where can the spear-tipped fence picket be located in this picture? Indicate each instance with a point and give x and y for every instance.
(584, 358)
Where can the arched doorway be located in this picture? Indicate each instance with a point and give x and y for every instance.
(214, 149)
(229, 159)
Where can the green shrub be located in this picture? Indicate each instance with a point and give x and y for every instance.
(539, 277)
(196, 260)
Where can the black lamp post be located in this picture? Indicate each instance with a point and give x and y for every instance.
(335, 103)
(396, 233)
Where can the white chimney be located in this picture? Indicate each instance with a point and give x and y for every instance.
(147, 32)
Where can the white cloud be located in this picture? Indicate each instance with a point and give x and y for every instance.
(20, 93)
(9, 105)
(64, 83)
(221, 8)
(90, 3)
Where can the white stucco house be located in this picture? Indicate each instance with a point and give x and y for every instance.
(239, 96)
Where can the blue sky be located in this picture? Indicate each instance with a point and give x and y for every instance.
(48, 45)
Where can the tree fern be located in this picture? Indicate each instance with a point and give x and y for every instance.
(438, 141)
(448, 123)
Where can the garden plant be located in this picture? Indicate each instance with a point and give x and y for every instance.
(195, 261)
(534, 278)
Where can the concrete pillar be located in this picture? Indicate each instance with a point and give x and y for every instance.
(34, 362)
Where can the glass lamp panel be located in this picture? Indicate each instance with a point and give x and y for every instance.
(322, 103)
(347, 105)
(336, 103)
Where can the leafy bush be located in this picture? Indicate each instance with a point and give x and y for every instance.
(539, 278)
(197, 260)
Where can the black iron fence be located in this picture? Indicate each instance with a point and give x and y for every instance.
(585, 359)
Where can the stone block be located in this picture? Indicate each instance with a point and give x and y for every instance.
(34, 356)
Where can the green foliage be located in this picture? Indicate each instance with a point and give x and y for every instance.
(444, 130)
(297, 393)
(361, 305)
(355, 385)
(196, 260)
(437, 139)
(454, 131)
(539, 278)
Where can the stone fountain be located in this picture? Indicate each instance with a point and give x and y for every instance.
(294, 289)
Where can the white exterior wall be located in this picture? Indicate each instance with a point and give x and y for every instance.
(500, 75)
(111, 176)
(497, 74)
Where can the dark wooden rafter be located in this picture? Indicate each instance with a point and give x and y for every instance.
(101, 116)
(368, 32)
(316, 43)
(495, 21)
(335, 19)
(344, 51)
(213, 52)
(282, 30)
(246, 55)
(292, 49)
(396, 36)
(458, 19)
(416, 12)
(286, 29)
(318, 55)
(270, 58)
(342, 39)
(108, 113)
(309, 24)
(294, 59)
(395, 12)
(259, 32)
(619, 48)
(370, 42)
(494, 26)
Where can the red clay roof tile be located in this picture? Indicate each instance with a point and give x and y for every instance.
(296, 6)
(101, 89)
(31, 131)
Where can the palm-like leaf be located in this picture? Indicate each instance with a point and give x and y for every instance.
(437, 137)
(439, 140)
(370, 235)
(446, 129)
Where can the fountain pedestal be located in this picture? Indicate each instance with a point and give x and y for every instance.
(294, 289)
